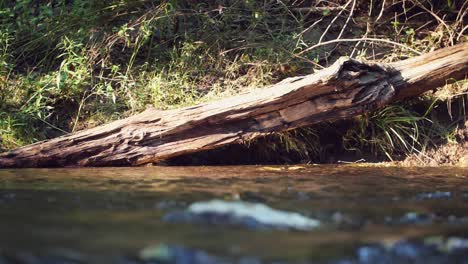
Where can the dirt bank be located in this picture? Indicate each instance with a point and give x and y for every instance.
(450, 153)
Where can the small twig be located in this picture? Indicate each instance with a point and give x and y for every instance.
(309, 61)
(461, 32)
(449, 30)
(356, 40)
(52, 126)
(347, 20)
(235, 49)
(83, 100)
(317, 9)
(461, 13)
(368, 28)
(333, 21)
(421, 27)
(460, 18)
(397, 15)
(309, 28)
(289, 11)
(381, 12)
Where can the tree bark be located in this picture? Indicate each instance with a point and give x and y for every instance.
(346, 89)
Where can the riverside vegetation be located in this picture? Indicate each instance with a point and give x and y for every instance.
(67, 65)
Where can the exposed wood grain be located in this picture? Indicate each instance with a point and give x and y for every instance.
(347, 88)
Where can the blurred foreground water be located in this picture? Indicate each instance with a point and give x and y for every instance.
(244, 214)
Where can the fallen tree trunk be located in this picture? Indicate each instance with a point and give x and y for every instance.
(347, 88)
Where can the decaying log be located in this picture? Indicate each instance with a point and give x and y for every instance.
(347, 88)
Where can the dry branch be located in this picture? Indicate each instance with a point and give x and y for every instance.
(347, 88)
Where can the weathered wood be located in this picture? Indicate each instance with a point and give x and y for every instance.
(347, 88)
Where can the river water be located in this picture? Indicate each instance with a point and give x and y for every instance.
(139, 215)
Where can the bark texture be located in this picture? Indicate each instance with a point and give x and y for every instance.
(347, 88)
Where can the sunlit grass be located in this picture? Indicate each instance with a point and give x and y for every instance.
(69, 67)
(393, 129)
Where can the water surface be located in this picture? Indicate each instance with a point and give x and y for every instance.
(109, 215)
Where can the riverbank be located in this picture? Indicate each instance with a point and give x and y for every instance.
(451, 153)
(66, 66)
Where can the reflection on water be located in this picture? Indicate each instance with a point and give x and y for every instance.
(106, 215)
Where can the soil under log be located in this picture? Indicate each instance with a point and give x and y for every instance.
(450, 153)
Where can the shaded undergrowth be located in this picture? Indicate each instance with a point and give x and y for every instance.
(67, 65)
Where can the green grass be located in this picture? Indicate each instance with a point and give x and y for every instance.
(392, 130)
(70, 65)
